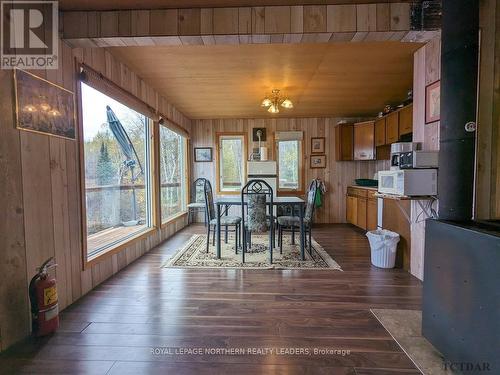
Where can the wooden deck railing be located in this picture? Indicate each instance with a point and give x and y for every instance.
(128, 186)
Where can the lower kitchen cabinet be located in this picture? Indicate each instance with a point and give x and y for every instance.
(352, 210)
(371, 214)
(361, 207)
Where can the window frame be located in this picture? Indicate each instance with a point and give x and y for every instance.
(287, 191)
(218, 137)
(185, 140)
(153, 176)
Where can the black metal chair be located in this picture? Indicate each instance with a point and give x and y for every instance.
(227, 221)
(257, 202)
(197, 199)
(292, 223)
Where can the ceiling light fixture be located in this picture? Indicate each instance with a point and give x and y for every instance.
(275, 100)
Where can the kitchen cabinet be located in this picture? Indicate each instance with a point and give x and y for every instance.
(344, 142)
(361, 207)
(394, 220)
(364, 133)
(361, 217)
(380, 132)
(352, 210)
(406, 120)
(371, 140)
(371, 214)
(392, 127)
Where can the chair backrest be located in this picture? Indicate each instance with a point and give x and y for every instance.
(256, 194)
(198, 192)
(311, 202)
(209, 200)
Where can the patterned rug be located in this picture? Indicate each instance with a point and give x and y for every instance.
(194, 255)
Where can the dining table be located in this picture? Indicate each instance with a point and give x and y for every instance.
(225, 202)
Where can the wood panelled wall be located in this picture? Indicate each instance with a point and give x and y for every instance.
(40, 197)
(337, 175)
(426, 70)
(487, 205)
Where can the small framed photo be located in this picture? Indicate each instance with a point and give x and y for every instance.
(203, 154)
(318, 161)
(433, 102)
(256, 132)
(318, 145)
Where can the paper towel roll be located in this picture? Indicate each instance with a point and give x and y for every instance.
(263, 153)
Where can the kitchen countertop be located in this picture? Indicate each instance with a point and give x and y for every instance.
(373, 188)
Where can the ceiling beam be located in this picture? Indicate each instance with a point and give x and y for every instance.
(242, 25)
(67, 5)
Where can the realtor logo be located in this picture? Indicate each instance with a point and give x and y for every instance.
(29, 38)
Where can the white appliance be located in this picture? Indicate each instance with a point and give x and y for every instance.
(408, 182)
(264, 170)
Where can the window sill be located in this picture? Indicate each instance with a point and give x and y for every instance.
(173, 218)
(117, 248)
(222, 193)
(292, 193)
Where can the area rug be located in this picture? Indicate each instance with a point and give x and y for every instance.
(405, 326)
(194, 255)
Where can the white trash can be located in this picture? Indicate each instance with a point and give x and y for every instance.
(383, 244)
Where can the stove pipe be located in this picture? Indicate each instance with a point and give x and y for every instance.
(459, 72)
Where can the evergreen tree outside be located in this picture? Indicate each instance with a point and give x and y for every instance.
(105, 171)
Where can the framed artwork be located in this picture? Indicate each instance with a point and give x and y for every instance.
(43, 107)
(255, 135)
(318, 161)
(203, 154)
(433, 102)
(318, 145)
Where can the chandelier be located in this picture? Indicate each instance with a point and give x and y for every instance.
(275, 100)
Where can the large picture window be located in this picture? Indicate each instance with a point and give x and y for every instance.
(231, 166)
(289, 157)
(172, 173)
(117, 171)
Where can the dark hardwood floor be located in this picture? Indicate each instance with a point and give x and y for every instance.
(115, 328)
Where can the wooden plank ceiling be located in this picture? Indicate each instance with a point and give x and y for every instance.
(164, 4)
(226, 81)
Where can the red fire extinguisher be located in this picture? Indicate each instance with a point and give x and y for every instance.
(43, 298)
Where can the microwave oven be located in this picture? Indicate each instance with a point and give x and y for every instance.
(408, 182)
(418, 159)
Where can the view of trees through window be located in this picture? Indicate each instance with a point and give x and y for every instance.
(231, 161)
(172, 173)
(116, 157)
(288, 164)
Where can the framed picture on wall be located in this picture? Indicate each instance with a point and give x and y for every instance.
(43, 107)
(259, 131)
(318, 145)
(433, 102)
(203, 154)
(318, 161)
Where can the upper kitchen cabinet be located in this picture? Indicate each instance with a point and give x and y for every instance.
(406, 120)
(371, 140)
(380, 132)
(392, 127)
(364, 146)
(344, 142)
